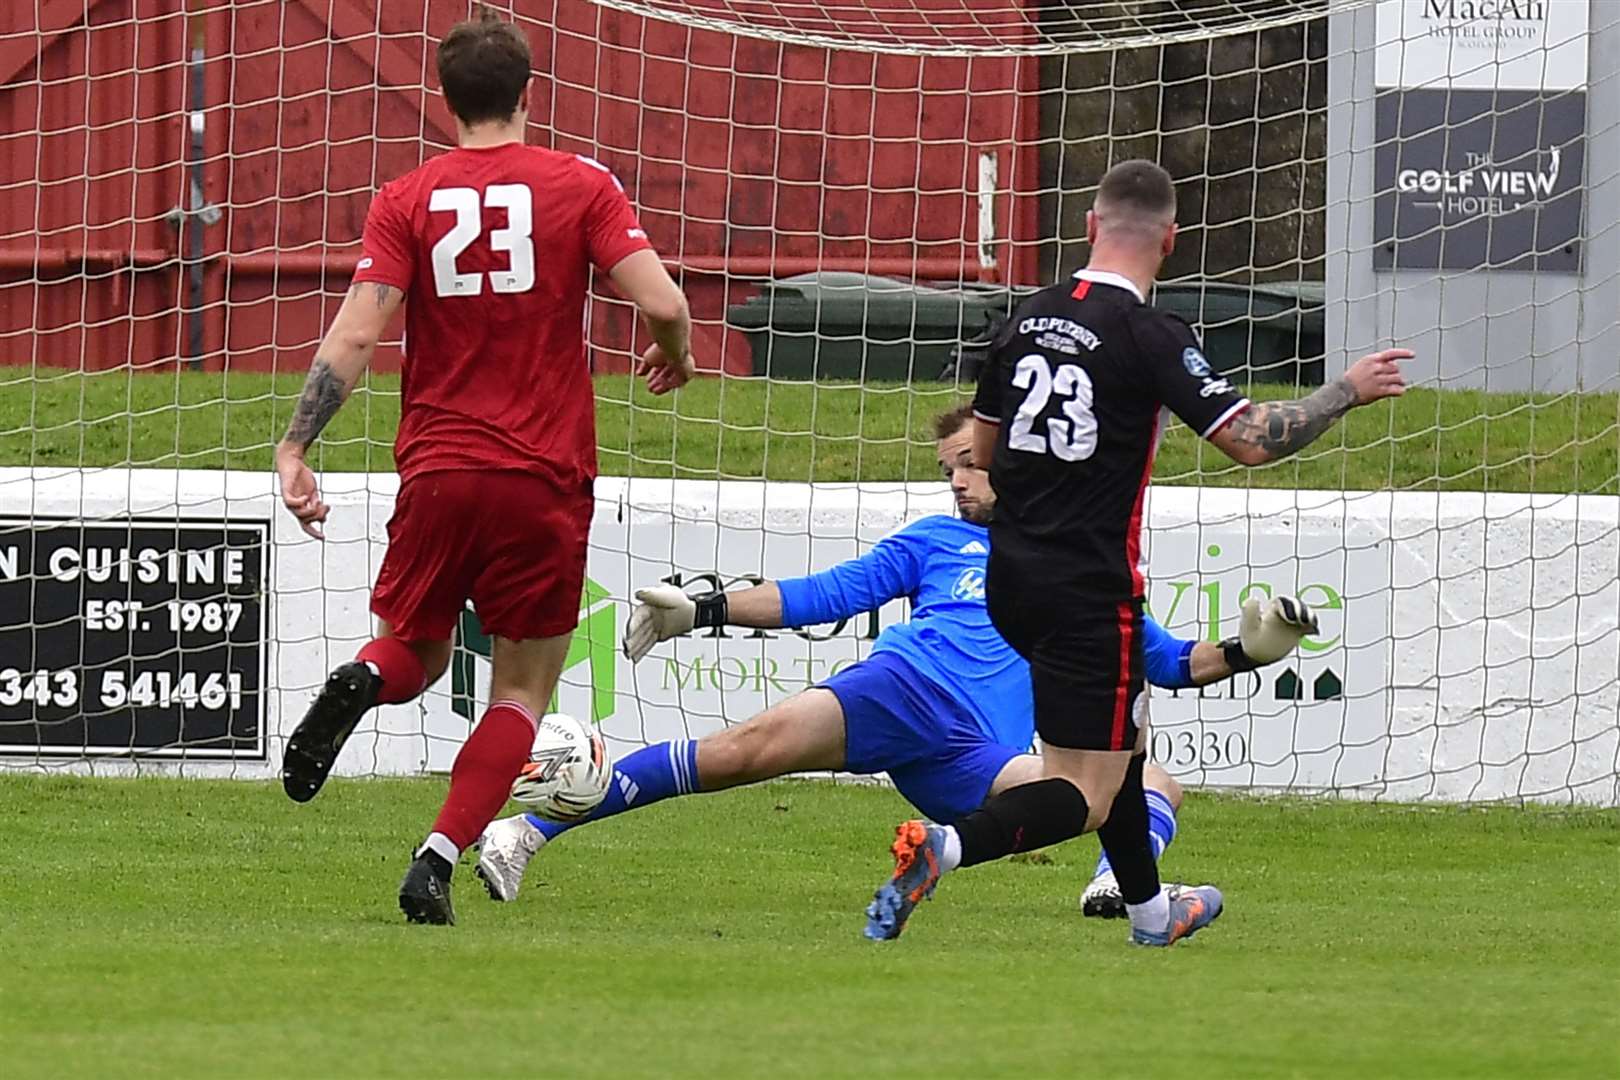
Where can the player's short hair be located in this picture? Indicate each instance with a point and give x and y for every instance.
(1137, 189)
(947, 424)
(484, 67)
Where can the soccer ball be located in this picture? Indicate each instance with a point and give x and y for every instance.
(567, 774)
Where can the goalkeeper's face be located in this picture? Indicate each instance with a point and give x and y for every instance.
(974, 498)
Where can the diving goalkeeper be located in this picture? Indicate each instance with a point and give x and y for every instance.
(942, 704)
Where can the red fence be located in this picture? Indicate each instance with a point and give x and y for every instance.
(748, 160)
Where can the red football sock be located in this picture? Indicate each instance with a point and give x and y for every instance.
(481, 779)
(397, 666)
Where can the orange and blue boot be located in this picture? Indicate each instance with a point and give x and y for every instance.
(918, 847)
(1191, 909)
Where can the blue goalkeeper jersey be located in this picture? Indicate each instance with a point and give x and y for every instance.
(938, 564)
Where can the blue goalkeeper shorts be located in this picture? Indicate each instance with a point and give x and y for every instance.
(898, 722)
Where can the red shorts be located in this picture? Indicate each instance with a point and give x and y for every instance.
(510, 541)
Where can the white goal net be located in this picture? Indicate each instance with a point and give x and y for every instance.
(853, 193)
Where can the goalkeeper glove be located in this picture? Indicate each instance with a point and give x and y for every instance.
(665, 611)
(1265, 637)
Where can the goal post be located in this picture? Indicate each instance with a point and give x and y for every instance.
(852, 193)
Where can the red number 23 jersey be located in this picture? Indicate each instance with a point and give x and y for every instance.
(493, 249)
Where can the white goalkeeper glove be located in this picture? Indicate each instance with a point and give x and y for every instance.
(665, 611)
(1266, 635)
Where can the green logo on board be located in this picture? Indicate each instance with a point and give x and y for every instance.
(594, 643)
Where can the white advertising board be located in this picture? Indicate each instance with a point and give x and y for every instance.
(1469, 650)
(1482, 44)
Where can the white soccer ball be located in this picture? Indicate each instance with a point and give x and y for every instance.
(568, 771)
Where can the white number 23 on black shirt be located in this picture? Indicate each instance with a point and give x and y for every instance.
(1070, 437)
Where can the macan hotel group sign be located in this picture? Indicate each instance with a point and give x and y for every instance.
(1481, 130)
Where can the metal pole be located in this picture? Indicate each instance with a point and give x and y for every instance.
(197, 200)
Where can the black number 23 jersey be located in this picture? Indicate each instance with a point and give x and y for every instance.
(1077, 380)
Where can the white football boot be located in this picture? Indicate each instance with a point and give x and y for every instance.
(1101, 900)
(504, 852)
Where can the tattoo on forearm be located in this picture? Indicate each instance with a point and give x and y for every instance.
(322, 397)
(1284, 427)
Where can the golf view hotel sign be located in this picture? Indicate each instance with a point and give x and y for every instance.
(1481, 131)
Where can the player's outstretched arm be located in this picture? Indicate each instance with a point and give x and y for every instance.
(339, 362)
(1268, 431)
(666, 611)
(891, 569)
(1267, 633)
(667, 363)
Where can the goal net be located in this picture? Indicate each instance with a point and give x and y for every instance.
(853, 194)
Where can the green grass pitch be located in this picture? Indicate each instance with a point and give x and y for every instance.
(177, 929)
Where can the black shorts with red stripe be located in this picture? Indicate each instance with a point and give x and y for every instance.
(1086, 664)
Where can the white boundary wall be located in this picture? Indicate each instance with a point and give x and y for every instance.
(1475, 639)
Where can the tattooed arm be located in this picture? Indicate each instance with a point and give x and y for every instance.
(339, 362)
(1271, 430)
(324, 393)
(341, 359)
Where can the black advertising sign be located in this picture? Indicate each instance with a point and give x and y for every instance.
(1474, 179)
(133, 638)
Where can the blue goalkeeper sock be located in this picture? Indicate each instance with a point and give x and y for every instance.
(1161, 829)
(649, 775)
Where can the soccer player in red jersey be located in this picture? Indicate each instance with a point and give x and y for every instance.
(490, 248)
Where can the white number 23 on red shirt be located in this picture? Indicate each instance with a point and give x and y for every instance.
(515, 239)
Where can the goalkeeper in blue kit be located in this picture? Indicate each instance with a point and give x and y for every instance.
(942, 704)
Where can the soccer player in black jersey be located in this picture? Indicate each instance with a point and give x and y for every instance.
(1070, 409)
